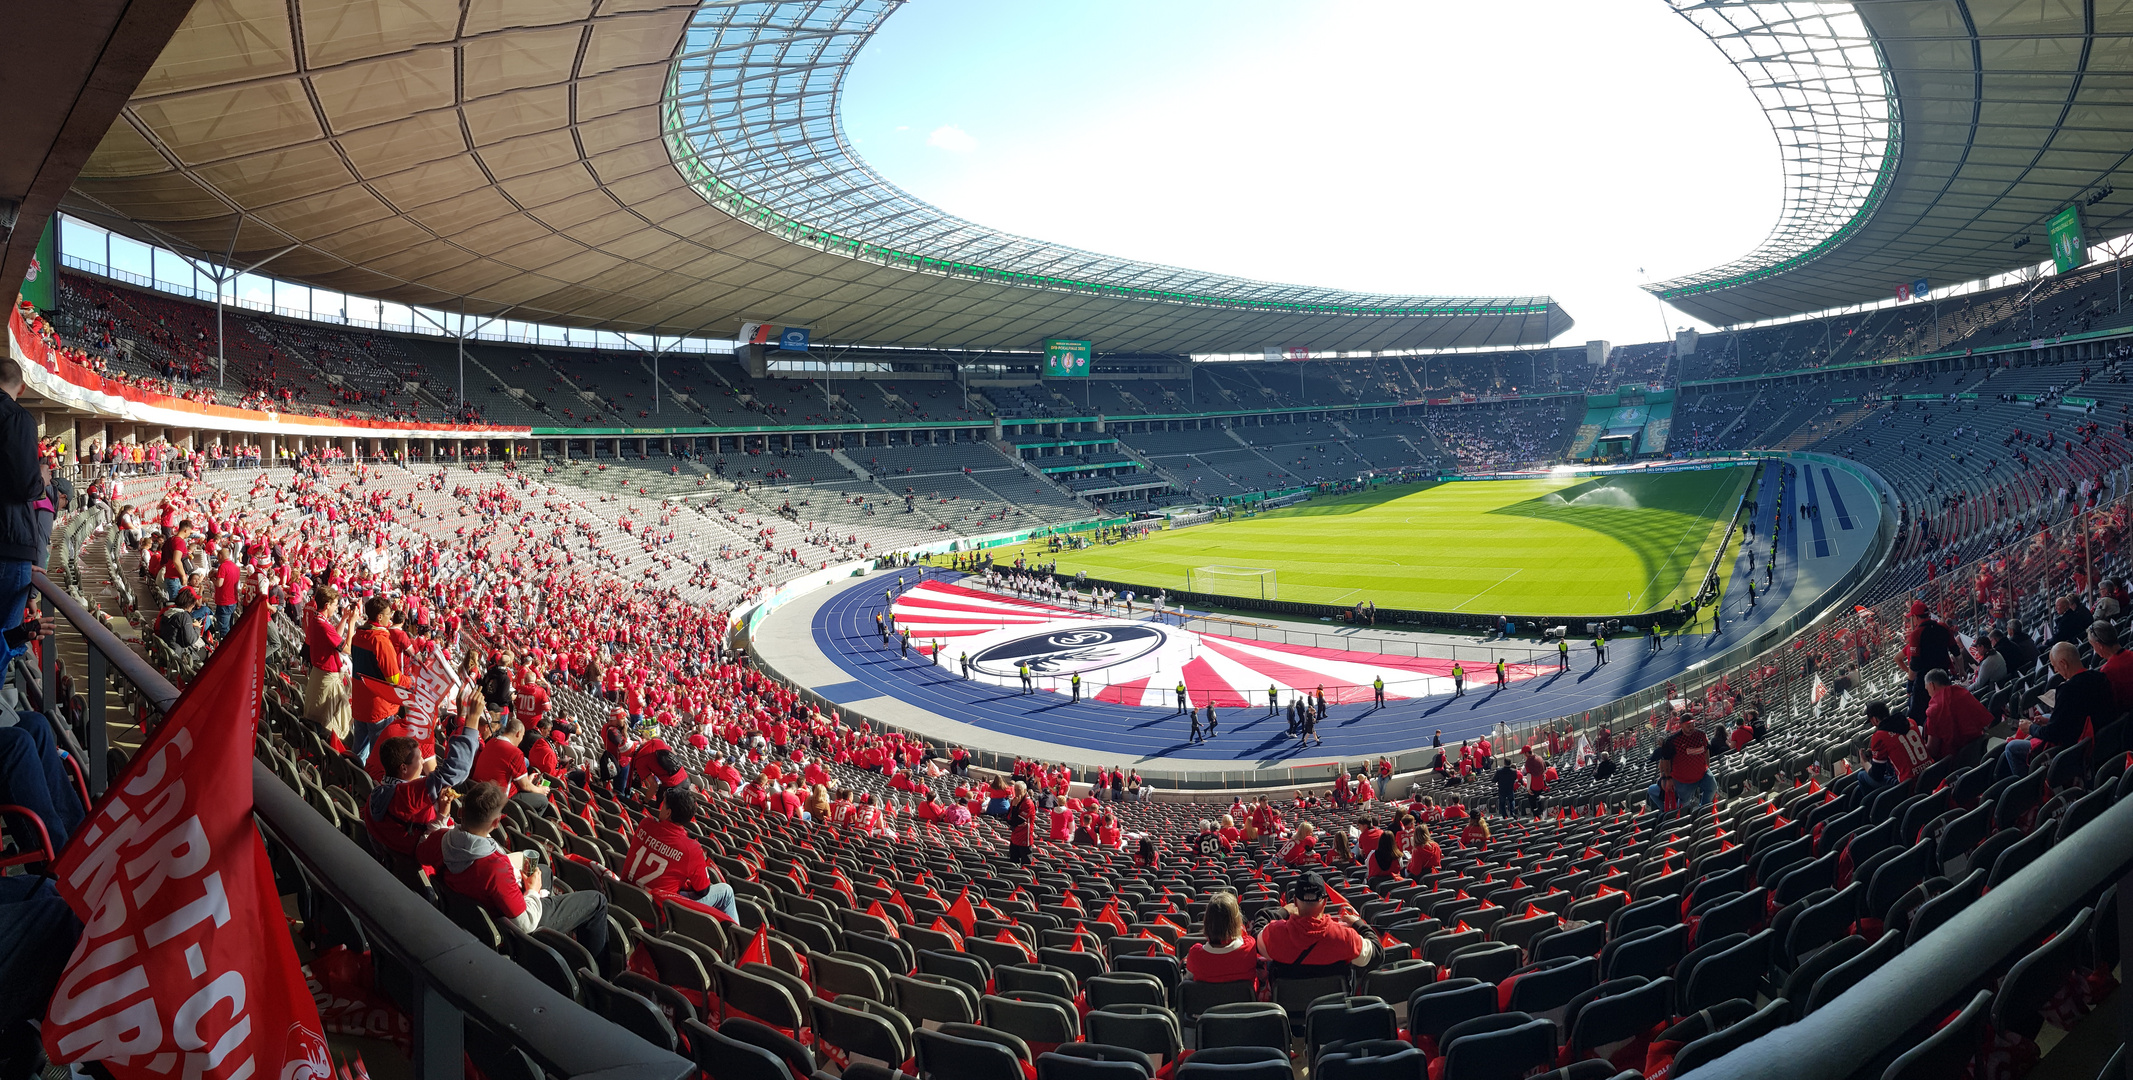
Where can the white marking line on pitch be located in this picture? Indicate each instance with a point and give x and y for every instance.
(1490, 589)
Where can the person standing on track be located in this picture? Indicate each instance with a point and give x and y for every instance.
(1076, 683)
(1599, 648)
(1023, 670)
(1273, 701)
(1377, 690)
(1181, 698)
(965, 660)
(1502, 674)
(1562, 653)
(1458, 680)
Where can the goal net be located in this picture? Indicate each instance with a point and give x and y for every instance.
(1232, 581)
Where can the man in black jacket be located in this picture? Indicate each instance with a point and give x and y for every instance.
(2082, 702)
(22, 486)
(2071, 623)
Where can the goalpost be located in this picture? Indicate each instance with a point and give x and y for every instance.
(1233, 581)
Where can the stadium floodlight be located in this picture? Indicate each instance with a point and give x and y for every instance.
(1247, 581)
(1825, 84)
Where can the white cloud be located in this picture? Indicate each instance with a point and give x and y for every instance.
(952, 139)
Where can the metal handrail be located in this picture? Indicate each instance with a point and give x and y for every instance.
(455, 978)
(1913, 989)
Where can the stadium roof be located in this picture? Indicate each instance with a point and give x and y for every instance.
(641, 166)
(1923, 139)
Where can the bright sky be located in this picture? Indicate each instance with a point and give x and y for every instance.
(1549, 147)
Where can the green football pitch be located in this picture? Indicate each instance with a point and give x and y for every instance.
(1607, 546)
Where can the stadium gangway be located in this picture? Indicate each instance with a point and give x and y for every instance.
(454, 978)
(1896, 1005)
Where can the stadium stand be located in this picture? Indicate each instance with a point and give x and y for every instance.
(858, 919)
(1601, 919)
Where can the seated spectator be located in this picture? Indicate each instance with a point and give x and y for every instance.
(1475, 833)
(1384, 861)
(2071, 622)
(1309, 943)
(1743, 733)
(402, 810)
(37, 935)
(2117, 665)
(2080, 704)
(1954, 719)
(177, 625)
(1341, 855)
(668, 862)
(33, 775)
(503, 763)
(1894, 751)
(1230, 953)
(507, 884)
(1991, 660)
(1424, 856)
(1302, 848)
(1144, 856)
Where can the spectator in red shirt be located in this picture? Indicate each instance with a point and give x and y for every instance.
(1954, 719)
(326, 630)
(503, 763)
(1021, 825)
(227, 575)
(1230, 953)
(1366, 840)
(655, 767)
(1684, 769)
(375, 689)
(541, 754)
(2117, 665)
(1475, 833)
(402, 809)
(508, 885)
(1743, 733)
(1425, 856)
(721, 769)
(668, 862)
(529, 698)
(1301, 850)
(1894, 750)
(1310, 943)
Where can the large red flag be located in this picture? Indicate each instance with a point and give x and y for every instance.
(184, 967)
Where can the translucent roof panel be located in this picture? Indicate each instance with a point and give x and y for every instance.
(644, 168)
(1925, 140)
